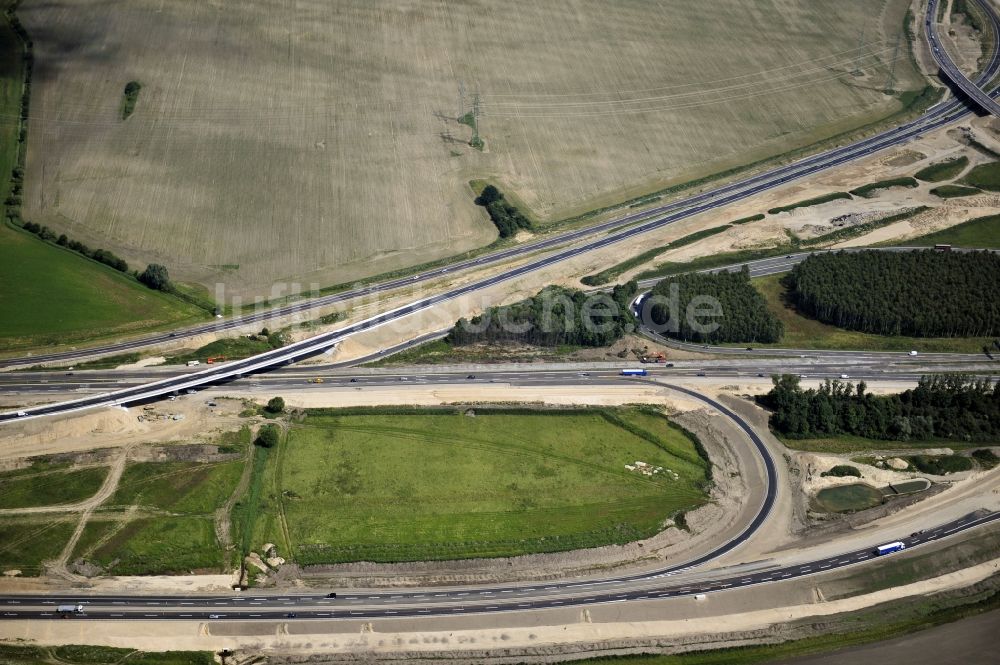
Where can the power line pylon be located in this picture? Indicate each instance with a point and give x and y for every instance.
(476, 141)
(891, 81)
(861, 49)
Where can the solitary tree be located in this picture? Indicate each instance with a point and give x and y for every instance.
(267, 437)
(156, 277)
(275, 405)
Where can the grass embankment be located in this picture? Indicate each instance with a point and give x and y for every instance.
(172, 529)
(941, 171)
(866, 191)
(984, 176)
(982, 232)
(234, 348)
(954, 191)
(78, 654)
(806, 203)
(440, 352)
(49, 486)
(805, 333)
(839, 445)
(614, 271)
(410, 485)
(745, 256)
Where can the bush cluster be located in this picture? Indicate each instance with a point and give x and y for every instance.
(507, 218)
(842, 471)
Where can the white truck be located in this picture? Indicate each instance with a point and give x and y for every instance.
(889, 548)
(193, 363)
(70, 609)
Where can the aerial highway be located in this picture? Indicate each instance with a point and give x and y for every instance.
(256, 606)
(680, 578)
(682, 209)
(749, 365)
(604, 234)
(980, 97)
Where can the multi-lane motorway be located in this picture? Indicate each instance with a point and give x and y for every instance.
(670, 583)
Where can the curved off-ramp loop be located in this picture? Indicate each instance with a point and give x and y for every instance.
(470, 599)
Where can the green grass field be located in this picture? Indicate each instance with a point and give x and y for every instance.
(442, 485)
(28, 487)
(805, 333)
(983, 232)
(52, 296)
(173, 530)
(152, 545)
(26, 542)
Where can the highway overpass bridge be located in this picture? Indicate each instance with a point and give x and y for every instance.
(950, 70)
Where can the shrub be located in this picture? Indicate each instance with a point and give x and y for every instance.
(842, 471)
(155, 277)
(275, 405)
(267, 437)
(986, 457)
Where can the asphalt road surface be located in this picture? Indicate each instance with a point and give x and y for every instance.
(444, 602)
(971, 90)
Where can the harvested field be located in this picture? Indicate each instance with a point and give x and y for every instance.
(319, 142)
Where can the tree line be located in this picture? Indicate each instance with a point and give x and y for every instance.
(155, 276)
(506, 217)
(919, 294)
(554, 317)
(957, 407)
(742, 315)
